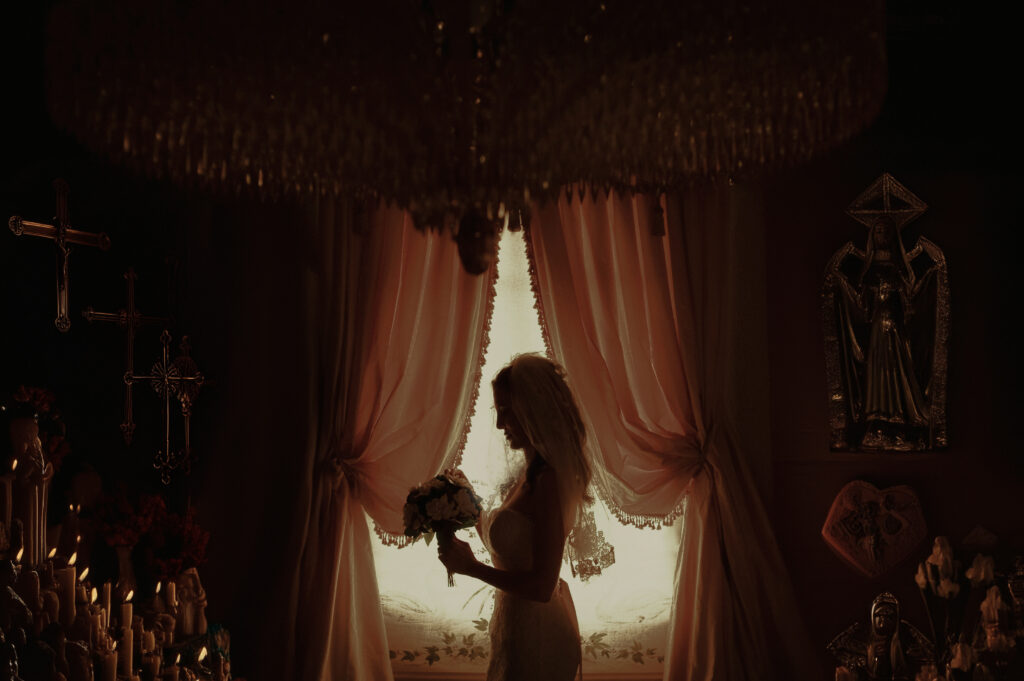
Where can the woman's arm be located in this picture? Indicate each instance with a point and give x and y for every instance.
(539, 582)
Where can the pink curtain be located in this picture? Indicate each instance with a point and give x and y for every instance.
(642, 308)
(395, 332)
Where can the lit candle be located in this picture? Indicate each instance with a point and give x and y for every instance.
(126, 610)
(172, 599)
(125, 649)
(106, 666)
(81, 595)
(171, 673)
(106, 604)
(66, 582)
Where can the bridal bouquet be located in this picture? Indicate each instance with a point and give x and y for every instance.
(442, 505)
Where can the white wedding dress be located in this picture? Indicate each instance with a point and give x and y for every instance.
(530, 641)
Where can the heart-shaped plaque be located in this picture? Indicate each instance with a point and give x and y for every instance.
(873, 529)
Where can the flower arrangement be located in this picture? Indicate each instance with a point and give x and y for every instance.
(124, 523)
(178, 543)
(442, 505)
(971, 623)
(52, 431)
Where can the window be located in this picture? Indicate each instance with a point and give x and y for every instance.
(623, 613)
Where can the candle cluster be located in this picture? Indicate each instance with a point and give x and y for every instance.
(96, 634)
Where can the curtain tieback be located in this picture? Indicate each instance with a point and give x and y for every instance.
(337, 470)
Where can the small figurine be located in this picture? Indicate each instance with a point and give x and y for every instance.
(191, 604)
(892, 650)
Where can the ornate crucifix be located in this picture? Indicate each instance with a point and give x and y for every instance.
(130, 319)
(179, 379)
(63, 235)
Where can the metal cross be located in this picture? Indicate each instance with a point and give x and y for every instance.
(63, 235)
(130, 319)
(179, 379)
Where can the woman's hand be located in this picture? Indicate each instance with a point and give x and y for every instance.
(457, 556)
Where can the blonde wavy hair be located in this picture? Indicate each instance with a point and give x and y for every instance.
(542, 401)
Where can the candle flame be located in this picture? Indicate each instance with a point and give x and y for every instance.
(78, 538)
(85, 573)
(71, 507)
(73, 558)
(21, 552)
(177, 659)
(129, 596)
(14, 464)
(202, 654)
(52, 553)
(95, 595)
(158, 585)
(78, 508)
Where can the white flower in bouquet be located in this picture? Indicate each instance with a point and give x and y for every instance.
(411, 517)
(441, 508)
(466, 506)
(982, 570)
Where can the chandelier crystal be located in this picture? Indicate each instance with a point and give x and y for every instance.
(452, 107)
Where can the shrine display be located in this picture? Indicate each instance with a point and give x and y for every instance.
(974, 630)
(886, 319)
(62, 621)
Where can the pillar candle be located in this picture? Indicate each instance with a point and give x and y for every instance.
(150, 666)
(148, 641)
(105, 602)
(172, 599)
(171, 673)
(106, 666)
(51, 604)
(81, 595)
(126, 615)
(30, 578)
(125, 650)
(66, 581)
(95, 628)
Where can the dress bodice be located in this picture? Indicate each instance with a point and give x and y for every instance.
(508, 535)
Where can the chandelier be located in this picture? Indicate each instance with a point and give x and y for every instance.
(457, 107)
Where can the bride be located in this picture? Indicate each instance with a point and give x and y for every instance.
(534, 633)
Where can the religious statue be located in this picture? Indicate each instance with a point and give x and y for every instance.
(31, 484)
(191, 604)
(886, 313)
(891, 650)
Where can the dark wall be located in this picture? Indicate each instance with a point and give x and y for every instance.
(229, 270)
(950, 134)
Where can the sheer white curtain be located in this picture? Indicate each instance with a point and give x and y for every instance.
(643, 309)
(394, 335)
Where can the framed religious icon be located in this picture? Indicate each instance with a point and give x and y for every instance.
(886, 323)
